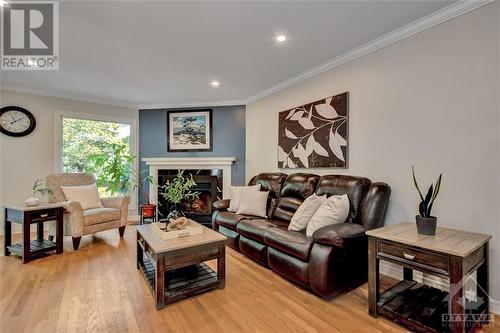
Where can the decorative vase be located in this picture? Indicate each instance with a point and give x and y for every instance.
(426, 225)
(148, 211)
(32, 201)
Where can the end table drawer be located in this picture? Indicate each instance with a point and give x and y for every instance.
(427, 260)
(43, 215)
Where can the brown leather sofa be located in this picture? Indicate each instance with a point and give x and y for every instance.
(334, 259)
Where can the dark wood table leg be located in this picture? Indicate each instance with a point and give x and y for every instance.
(160, 282)
(483, 282)
(39, 231)
(407, 274)
(7, 233)
(59, 230)
(373, 277)
(221, 266)
(140, 257)
(456, 309)
(26, 237)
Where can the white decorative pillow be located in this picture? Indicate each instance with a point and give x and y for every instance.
(86, 195)
(253, 203)
(236, 191)
(305, 212)
(334, 210)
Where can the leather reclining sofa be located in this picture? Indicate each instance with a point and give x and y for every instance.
(335, 258)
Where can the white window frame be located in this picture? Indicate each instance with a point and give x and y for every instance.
(60, 114)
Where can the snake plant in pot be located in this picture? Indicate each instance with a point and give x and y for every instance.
(426, 223)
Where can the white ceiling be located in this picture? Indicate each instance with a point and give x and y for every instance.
(166, 53)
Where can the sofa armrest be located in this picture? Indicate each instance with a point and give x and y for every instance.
(221, 204)
(338, 234)
(120, 203)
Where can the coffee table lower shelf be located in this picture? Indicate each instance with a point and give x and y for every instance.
(182, 282)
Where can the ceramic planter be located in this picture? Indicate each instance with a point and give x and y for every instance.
(426, 225)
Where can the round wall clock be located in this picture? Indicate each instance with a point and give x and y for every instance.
(16, 121)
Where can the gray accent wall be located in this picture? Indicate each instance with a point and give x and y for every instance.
(228, 137)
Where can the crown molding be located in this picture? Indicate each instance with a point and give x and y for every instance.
(167, 105)
(74, 97)
(442, 15)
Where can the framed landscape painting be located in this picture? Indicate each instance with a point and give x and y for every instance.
(315, 135)
(189, 130)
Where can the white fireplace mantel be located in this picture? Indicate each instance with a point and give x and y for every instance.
(204, 163)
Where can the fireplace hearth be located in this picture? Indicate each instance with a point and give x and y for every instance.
(209, 187)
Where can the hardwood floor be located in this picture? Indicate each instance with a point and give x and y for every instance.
(98, 289)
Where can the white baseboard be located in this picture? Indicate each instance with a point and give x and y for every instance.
(396, 272)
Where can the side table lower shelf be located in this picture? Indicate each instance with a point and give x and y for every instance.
(37, 247)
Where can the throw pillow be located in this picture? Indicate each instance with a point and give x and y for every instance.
(236, 191)
(253, 203)
(305, 212)
(86, 195)
(333, 210)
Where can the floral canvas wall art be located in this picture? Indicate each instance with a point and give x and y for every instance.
(315, 135)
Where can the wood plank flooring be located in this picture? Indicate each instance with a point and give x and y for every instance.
(98, 289)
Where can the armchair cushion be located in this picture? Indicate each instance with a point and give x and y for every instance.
(86, 195)
(120, 203)
(100, 215)
(338, 234)
(221, 204)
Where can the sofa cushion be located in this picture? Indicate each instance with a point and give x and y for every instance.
(230, 220)
(271, 182)
(100, 215)
(255, 229)
(354, 187)
(294, 243)
(296, 188)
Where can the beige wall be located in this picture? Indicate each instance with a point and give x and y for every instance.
(22, 160)
(432, 101)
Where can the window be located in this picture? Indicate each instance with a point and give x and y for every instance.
(82, 139)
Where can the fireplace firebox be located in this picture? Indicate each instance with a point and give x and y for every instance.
(209, 187)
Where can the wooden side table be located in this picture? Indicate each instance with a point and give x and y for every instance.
(26, 216)
(450, 254)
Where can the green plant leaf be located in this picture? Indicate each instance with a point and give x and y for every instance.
(416, 184)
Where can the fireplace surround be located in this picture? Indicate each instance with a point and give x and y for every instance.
(213, 176)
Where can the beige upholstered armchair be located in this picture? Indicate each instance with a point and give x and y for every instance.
(79, 222)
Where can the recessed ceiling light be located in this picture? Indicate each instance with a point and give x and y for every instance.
(215, 83)
(280, 38)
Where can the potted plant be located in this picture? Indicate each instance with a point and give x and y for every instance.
(38, 187)
(177, 190)
(116, 172)
(426, 223)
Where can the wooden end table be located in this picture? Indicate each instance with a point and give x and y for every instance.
(450, 254)
(26, 216)
(175, 269)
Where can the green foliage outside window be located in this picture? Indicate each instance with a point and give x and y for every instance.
(83, 140)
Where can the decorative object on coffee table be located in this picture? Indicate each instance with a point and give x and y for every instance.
(176, 269)
(26, 216)
(426, 223)
(189, 130)
(176, 191)
(451, 254)
(190, 228)
(315, 135)
(37, 188)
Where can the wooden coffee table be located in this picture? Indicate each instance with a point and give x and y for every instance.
(175, 269)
